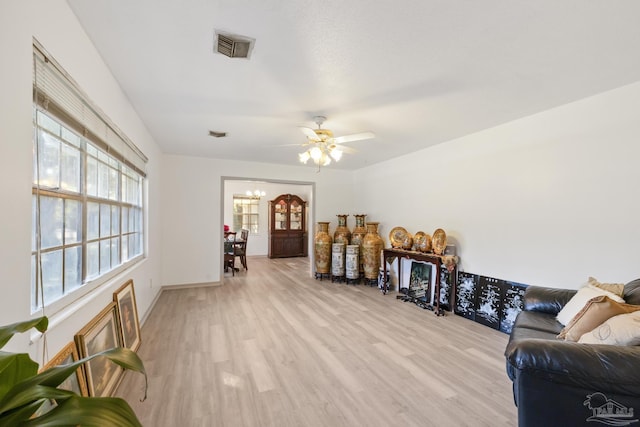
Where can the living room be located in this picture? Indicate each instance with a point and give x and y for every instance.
(546, 198)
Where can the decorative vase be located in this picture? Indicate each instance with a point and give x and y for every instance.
(337, 260)
(352, 262)
(322, 244)
(372, 245)
(342, 233)
(357, 236)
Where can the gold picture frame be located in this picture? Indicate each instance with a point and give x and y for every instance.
(76, 383)
(125, 299)
(102, 333)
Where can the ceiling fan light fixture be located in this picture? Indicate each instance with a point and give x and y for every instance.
(304, 157)
(316, 154)
(324, 147)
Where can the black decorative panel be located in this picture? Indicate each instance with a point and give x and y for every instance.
(488, 302)
(466, 295)
(512, 304)
(446, 289)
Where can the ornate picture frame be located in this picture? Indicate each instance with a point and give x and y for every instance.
(76, 383)
(128, 321)
(102, 333)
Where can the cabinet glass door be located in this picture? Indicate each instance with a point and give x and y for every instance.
(280, 215)
(296, 215)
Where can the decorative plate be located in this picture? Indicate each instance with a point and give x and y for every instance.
(407, 243)
(439, 241)
(422, 242)
(397, 237)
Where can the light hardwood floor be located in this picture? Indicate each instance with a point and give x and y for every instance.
(274, 347)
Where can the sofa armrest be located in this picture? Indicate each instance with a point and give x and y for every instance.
(606, 368)
(546, 300)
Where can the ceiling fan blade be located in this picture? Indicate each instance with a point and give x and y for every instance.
(311, 134)
(348, 150)
(353, 137)
(293, 145)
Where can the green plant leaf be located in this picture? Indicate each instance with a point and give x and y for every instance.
(15, 368)
(15, 418)
(27, 391)
(23, 390)
(88, 411)
(30, 400)
(8, 331)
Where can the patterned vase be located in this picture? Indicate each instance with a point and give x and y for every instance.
(342, 233)
(371, 247)
(357, 236)
(337, 260)
(352, 262)
(322, 245)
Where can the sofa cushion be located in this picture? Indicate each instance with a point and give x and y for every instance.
(632, 292)
(594, 314)
(614, 288)
(580, 299)
(623, 329)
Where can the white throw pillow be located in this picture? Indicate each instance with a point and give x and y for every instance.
(580, 299)
(623, 329)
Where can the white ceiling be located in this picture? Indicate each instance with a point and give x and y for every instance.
(414, 72)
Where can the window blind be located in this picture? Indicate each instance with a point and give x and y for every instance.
(55, 92)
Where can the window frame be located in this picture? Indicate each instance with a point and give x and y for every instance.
(251, 202)
(125, 195)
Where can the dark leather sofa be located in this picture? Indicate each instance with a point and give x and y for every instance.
(562, 383)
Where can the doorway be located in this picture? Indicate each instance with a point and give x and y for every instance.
(238, 187)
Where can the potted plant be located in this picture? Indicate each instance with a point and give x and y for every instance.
(23, 390)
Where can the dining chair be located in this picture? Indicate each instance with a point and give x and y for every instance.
(229, 255)
(240, 247)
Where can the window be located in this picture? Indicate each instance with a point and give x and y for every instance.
(87, 195)
(245, 213)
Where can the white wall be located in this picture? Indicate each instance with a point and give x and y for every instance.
(57, 29)
(192, 211)
(258, 244)
(546, 200)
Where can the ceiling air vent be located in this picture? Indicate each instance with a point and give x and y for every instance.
(233, 46)
(215, 134)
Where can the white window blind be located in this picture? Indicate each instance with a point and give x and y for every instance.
(57, 93)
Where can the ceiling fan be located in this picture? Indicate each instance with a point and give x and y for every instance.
(324, 146)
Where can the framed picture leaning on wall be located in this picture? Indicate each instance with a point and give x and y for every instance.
(125, 299)
(102, 333)
(75, 383)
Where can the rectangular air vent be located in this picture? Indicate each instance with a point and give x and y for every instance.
(233, 47)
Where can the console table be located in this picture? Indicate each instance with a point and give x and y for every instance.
(450, 261)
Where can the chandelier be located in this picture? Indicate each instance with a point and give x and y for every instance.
(255, 194)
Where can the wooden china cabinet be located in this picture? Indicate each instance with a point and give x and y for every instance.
(287, 227)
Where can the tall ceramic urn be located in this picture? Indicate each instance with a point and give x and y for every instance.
(322, 248)
(357, 236)
(372, 245)
(342, 233)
